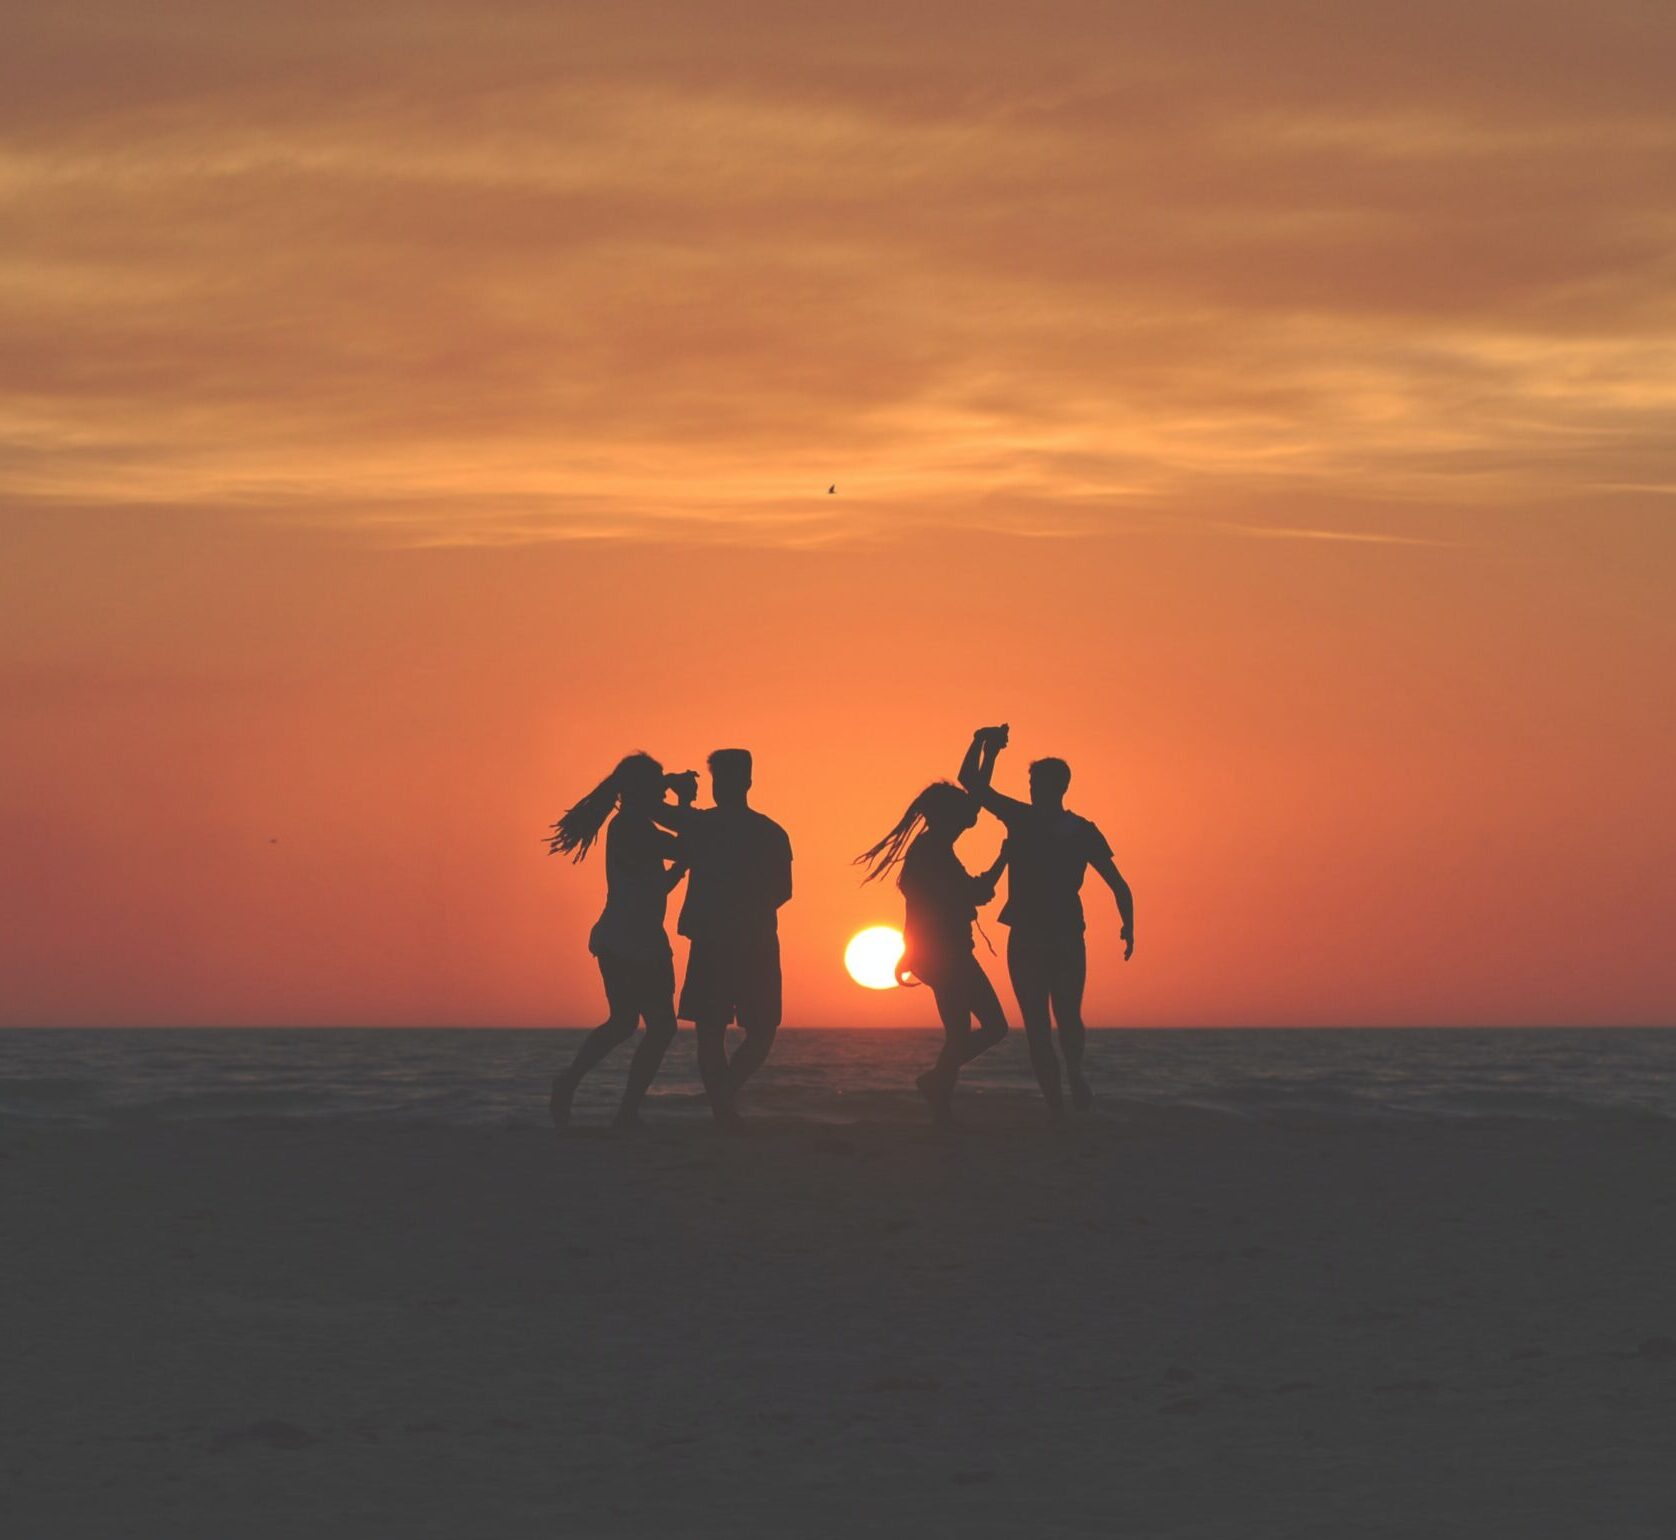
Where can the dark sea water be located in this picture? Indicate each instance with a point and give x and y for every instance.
(489, 1078)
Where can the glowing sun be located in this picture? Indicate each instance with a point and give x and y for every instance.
(872, 956)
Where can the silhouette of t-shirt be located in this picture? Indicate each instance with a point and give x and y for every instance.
(941, 898)
(1048, 852)
(636, 890)
(739, 874)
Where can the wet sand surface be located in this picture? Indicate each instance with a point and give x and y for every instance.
(1171, 1326)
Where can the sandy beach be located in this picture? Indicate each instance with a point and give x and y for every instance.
(1169, 1326)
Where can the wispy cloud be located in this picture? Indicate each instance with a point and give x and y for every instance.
(1345, 536)
(585, 263)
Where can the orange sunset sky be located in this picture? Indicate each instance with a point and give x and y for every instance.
(407, 409)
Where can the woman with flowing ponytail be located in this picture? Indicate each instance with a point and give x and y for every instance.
(942, 900)
(642, 864)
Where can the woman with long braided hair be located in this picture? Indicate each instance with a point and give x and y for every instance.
(642, 865)
(942, 900)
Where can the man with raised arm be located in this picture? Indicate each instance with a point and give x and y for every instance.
(1049, 850)
(739, 874)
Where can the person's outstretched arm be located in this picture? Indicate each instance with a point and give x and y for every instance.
(979, 766)
(1113, 879)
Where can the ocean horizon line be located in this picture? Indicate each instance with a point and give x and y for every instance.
(911, 1027)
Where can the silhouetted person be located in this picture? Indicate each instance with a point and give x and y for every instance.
(740, 874)
(942, 901)
(1048, 851)
(628, 941)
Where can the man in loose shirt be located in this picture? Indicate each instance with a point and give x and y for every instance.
(739, 874)
(1048, 852)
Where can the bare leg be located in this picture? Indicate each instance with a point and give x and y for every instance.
(986, 1006)
(595, 1046)
(1030, 984)
(936, 1085)
(1070, 974)
(660, 1033)
(750, 1055)
(967, 993)
(711, 1037)
(757, 993)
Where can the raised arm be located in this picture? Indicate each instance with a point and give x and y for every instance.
(1113, 879)
(979, 763)
(978, 767)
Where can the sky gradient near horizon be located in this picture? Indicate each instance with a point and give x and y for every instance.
(405, 410)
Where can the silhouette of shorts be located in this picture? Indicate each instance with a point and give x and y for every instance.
(1045, 967)
(733, 978)
(638, 986)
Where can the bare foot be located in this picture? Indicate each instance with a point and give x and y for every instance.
(728, 1121)
(931, 1087)
(564, 1092)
